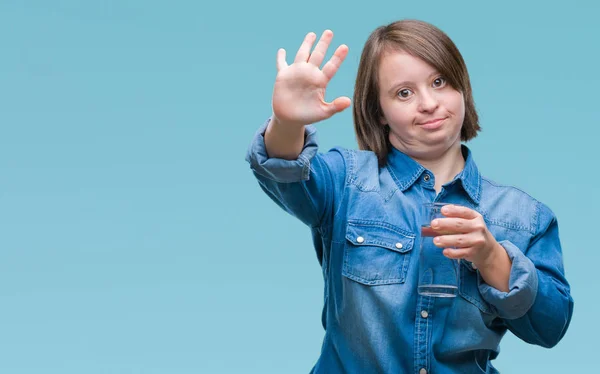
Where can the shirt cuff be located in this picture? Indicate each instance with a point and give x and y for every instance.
(522, 285)
(278, 169)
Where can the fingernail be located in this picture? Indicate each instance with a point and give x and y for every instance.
(436, 240)
(435, 224)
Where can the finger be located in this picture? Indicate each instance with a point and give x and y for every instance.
(318, 54)
(451, 210)
(281, 64)
(452, 225)
(334, 63)
(456, 254)
(455, 241)
(304, 50)
(338, 105)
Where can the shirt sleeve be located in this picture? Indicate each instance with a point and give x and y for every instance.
(522, 285)
(538, 306)
(304, 187)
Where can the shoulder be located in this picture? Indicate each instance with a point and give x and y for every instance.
(494, 189)
(511, 206)
(357, 159)
(362, 167)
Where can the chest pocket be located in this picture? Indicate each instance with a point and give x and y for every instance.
(376, 253)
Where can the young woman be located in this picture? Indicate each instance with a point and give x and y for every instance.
(413, 108)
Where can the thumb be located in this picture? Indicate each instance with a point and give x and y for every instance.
(338, 105)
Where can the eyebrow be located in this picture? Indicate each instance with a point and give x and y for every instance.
(393, 87)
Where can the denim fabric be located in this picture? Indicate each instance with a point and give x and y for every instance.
(374, 320)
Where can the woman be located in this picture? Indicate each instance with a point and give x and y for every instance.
(412, 109)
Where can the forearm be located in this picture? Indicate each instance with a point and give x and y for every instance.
(496, 271)
(284, 141)
(303, 186)
(548, 319)
(522, 284)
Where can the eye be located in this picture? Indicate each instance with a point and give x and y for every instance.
(404, 93)
(439, 82)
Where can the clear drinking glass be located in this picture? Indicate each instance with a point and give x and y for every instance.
(438, 274)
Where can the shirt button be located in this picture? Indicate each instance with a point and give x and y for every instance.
(424, 314)
(473, 266)
(399, 245)
(423, 371)
(360, 239)
(426, 179)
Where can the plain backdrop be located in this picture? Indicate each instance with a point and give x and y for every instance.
(133, 236)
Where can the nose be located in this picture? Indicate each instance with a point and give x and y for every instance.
(428, 102)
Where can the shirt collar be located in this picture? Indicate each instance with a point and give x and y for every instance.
(405, 171)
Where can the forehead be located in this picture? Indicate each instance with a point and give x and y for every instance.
(396, 66)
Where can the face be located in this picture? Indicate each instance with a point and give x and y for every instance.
(424, 113)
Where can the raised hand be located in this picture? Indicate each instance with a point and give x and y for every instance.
(299, 92)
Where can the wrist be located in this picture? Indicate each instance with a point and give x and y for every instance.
(285, 126)
(496, 254)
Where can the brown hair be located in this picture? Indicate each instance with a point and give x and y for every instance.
(424, 41)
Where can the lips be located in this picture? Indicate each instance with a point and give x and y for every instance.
(432, 124)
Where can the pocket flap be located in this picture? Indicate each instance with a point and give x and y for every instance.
(380, 235)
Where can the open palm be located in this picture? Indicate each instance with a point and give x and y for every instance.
(299, 92)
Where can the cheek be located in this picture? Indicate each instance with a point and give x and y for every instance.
(458, 104)
(455, 104)
(397, 113)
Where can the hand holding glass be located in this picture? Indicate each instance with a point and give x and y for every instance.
(438, 274)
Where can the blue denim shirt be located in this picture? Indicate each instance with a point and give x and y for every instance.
(374, 320)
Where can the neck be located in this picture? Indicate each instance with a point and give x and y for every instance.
(446, 166)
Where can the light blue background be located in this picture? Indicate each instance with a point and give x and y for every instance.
(133, 237)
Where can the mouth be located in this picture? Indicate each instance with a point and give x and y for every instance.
(432, 124)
